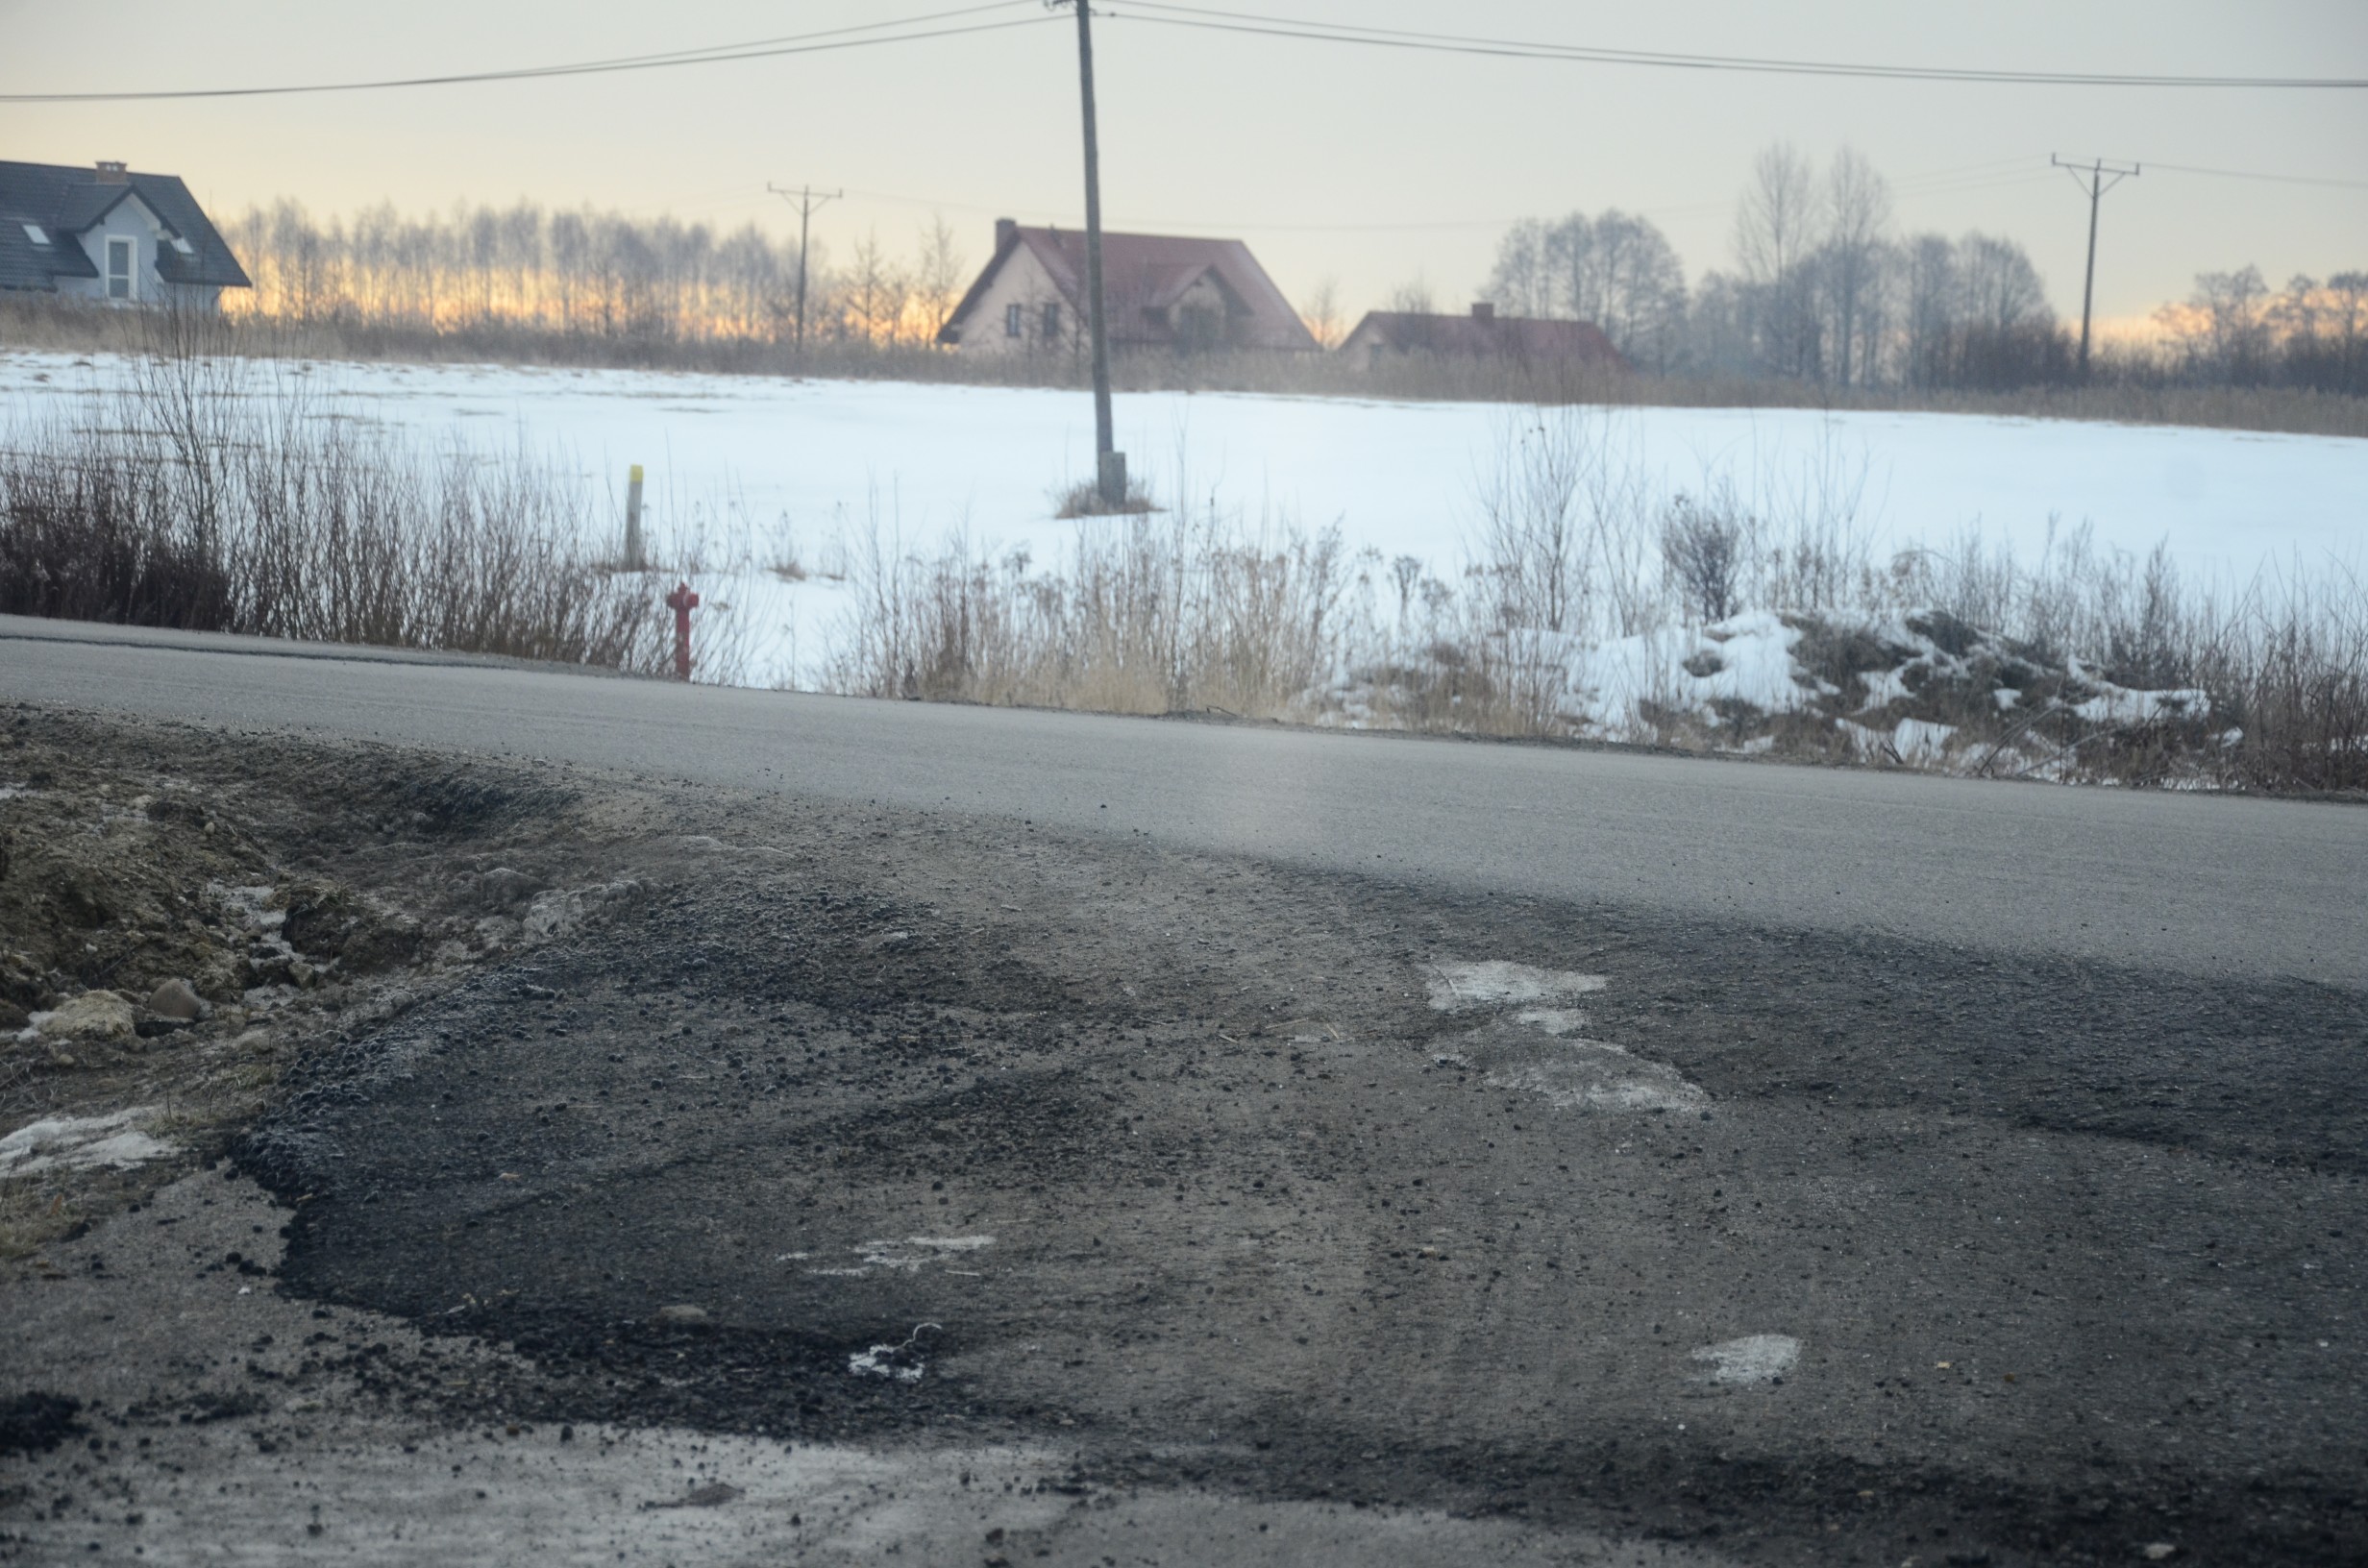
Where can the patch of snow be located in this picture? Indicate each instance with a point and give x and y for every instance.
(1460, 988)
(914, 1251)
(2120, 705)
(1920, 741)
(1552, 1020)
(1883, 687)
(560, 911)
(899, 1363)
(82, 1144)
(250, 904)
(1754, 1358)
(1614, 686)
(1595, 1075)
(875, 1363)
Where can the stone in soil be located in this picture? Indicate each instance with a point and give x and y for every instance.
(177, 999)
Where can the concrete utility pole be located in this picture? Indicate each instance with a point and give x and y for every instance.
(807, 201)
(1110, 463)
(632, 521)
(2092, 178)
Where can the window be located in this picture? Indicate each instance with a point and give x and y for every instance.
(120, 252)
(34, 232)
(1011, 321)
(1052, 322)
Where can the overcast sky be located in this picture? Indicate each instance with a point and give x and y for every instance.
(1370, 166)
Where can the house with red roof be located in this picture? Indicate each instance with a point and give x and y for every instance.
(1161, 291)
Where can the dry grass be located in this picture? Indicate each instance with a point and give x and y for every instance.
(1170, 612)
(2141, 396)
(1199, 610)
(216, 494)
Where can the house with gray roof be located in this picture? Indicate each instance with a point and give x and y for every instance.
(1383, 336)
(1160, 291)
(109, 234)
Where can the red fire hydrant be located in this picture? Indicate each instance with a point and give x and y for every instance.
(683, 601)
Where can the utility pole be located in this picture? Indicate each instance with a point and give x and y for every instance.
(2093, 179)
(1109, 464)
(807, 201)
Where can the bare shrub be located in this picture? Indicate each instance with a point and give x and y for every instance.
(1703, 549)
(216, 497)
(1085, 500)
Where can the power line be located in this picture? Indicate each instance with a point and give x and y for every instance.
(827, 41)
(1259, 24)
(2279, 179)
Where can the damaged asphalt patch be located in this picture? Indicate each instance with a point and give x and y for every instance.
(2004, 1261)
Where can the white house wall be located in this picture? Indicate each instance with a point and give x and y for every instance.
(130, 219)
(1024, 281)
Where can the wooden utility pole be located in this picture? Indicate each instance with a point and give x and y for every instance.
(807, 201)
(1109, 464)
(2091, 177)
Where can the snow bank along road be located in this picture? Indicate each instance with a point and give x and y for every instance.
(1573, 1154)
(2193, 884)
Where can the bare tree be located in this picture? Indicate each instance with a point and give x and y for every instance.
(1523, 283)
(938, 277)
(1321, 312)
(1413, 298)
(2226, 327)
(1774, 228)
(1857, 211)
(1774, 220)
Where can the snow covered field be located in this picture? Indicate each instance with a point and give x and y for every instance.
(777, 471)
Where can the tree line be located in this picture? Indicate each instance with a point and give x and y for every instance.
(1823, 288)
(587, 273)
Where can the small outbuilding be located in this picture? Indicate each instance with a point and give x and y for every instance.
(1160, 291)
(111, 234)
(1483, 334)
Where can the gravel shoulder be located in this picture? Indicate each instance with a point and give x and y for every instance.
(858, 1147)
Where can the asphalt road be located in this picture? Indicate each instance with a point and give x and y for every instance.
(1784, 1166)
(2192, 884)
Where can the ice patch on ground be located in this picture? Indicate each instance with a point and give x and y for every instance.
(907, 1256)
(1754, 1358)
(1591, 1075)
(914, 1251)
(82, 1144)
(1461, 988)
(1539, 1050)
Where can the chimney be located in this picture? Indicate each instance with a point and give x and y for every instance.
(1483, 311)
(112, 173)
(1006, 235)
